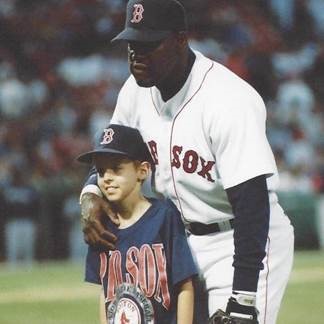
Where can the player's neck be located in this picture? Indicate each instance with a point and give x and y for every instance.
(172, 85)
(130, 211)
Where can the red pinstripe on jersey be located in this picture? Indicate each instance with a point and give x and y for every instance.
(171, 137)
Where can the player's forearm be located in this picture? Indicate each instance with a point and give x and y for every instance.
(102, 311)
(90, 185)
(185, 303)
(250, 202)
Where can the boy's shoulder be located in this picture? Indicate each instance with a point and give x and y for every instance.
(164, 204)
(165, 211)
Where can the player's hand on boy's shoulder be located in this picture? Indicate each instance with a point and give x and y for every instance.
(93, 211)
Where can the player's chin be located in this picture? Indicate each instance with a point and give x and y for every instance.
(142, 77)
(145, 83)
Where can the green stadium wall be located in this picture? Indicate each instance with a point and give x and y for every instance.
(306, 212)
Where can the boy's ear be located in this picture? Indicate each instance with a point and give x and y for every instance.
(143, 170)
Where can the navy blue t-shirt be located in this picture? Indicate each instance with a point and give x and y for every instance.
(140, 277)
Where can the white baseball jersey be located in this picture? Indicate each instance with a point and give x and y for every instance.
(208, 137)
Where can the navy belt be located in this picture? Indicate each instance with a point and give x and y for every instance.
(196, 228)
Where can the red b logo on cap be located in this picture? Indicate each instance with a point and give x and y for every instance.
(137, 13)
(107, 136)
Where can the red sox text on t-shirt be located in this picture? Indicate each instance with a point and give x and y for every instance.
(145, 268)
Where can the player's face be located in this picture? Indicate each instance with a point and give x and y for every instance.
(153, 63)
(119, 178)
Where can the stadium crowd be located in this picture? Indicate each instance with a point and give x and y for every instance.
(60, 76)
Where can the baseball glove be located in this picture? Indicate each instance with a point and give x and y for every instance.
(221, 317)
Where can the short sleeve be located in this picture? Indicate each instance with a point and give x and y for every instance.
(92, 269)
(182, 263)
(239, 139)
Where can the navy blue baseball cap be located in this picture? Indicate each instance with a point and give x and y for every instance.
(118, 139)
(152, 20)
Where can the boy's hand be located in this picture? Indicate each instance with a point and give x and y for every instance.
(93, 211)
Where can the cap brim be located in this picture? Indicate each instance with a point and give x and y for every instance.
(87, 157)
(148, 35)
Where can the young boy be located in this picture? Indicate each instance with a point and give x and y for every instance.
(148, 278)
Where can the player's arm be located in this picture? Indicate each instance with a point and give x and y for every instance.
(93, 210)
(102, 310)
(185, 307)
(250, 204)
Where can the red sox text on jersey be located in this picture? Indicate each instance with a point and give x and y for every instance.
(190, 160)
(145, 268)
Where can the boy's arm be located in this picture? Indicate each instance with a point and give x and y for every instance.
(185, 302)
(102, 311)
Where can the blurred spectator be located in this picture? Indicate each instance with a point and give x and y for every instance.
(7, 7)
(292, 60)
(316, 9)
(99, 120)
(318, 178)
(297, 154)
(296, 180)
(315, 74)
(284, 10)
(261, 73)
(71, 210)
(3, 211)
(22, 212)
(209, 47)
(295, 100)
(303, 30)
(15, 98)
(82, 71)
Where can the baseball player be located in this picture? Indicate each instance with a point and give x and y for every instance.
(143, 280)
(205, 128)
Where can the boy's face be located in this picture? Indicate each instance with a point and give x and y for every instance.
(120, 178)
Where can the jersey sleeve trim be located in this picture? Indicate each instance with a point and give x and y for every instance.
(91, 188)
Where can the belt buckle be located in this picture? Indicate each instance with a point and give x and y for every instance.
(224, 226)
(188, 228)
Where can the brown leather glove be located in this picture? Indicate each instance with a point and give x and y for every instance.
(93, 211)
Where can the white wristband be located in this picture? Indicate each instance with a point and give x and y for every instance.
(246, 298)
(92, 189)
(240, 315)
